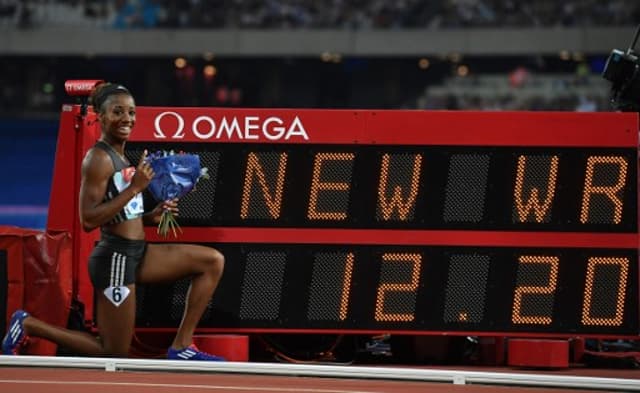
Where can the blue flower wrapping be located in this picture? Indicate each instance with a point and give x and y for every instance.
(175, 175)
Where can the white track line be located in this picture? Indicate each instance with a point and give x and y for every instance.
(458, 377)
(180, 386)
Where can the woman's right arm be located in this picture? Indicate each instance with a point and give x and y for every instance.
(97, 168)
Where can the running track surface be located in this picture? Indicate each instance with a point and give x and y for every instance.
(67, 380)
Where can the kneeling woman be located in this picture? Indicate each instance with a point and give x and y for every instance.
(111, 199)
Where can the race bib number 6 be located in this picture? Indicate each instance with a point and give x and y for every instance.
(117, 295)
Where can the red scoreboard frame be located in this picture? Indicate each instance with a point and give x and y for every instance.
(400, 221)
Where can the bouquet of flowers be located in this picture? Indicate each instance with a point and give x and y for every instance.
(176, 174)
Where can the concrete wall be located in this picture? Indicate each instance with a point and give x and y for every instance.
(530, 41)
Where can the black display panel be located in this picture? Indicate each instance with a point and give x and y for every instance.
(411, 187)
(452, 239)
(413, 289)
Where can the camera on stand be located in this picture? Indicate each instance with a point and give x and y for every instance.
(623, 71)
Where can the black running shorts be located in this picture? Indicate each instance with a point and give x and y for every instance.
(114, 261)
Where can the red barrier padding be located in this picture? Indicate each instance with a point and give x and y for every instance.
(12, 245)
(40, 278)
(538, 353)
(232, 347)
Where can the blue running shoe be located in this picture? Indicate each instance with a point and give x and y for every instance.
(15, 337)
(192, 353)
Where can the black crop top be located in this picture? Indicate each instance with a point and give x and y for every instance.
(123, 172)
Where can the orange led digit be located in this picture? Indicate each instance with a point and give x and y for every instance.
(533, 204)
(610, 191)
(396, 202)
(534, 290)
(385, 288)
(273, 201)
(318, 185)
(346, 286)
(593, 264)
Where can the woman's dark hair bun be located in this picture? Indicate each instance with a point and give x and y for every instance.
(102, 91)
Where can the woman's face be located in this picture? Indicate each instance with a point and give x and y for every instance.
(119, 117)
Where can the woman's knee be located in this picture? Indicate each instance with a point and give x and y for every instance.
(214, 262)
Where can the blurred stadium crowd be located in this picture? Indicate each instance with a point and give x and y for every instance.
(569, 81)
(353, 14)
